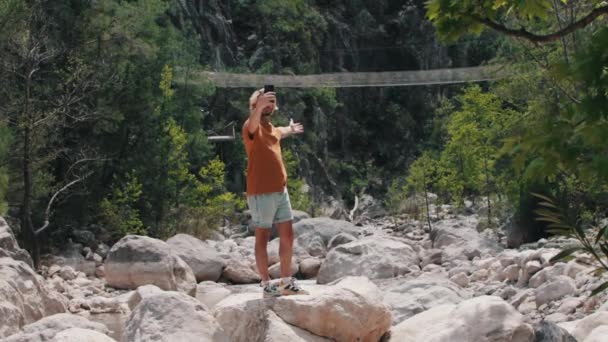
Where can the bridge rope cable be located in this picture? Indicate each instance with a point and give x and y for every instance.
(355, 79)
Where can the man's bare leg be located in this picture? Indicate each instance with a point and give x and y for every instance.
(286, 237)
(262, 235)
(288, 285)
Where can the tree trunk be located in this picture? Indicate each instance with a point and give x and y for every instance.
(426, 200)
(27, 226)
(485, 165)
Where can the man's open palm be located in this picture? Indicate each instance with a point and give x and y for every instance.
(296, 128)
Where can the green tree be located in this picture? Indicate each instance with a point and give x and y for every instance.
(119, 212)
(420, 177)
(39, 111)
(475, 134)
(210, 206)
(297, 188)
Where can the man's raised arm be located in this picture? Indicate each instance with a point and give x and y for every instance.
(258, 105)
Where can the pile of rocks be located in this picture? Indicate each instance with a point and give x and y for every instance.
(388, 278)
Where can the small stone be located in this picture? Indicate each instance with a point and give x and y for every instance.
(557, 288)
(461, 279)
(573, 268)
(58, 284)
(309, 267)
(521, 297)
(506, 293)
(557, 317)
(98, 259)
(432, 256)
(432, 268)
(81, 282)
(102, 250)
(100, 271)
(67, 273)
(479, 275)
(569, 305)
(538, 279)
(512, 273)
(275, 270)
(507, 260)
(53, 269)
(590, 304)
(527, 307)
(75, 305)
(532, 267)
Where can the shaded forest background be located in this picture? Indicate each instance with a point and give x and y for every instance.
(104, 133)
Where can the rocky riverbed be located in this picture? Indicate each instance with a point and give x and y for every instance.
(390, 278)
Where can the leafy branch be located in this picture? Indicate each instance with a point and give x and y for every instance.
(554, 217)
(539, 38)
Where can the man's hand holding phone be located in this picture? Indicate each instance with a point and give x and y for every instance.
(267, 100)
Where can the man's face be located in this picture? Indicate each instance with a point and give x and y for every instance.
(268, 111)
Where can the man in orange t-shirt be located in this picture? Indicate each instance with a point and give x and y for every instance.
(267, 195)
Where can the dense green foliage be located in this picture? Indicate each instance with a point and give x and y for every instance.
(542, 128)
(99, 113)
(101, 109)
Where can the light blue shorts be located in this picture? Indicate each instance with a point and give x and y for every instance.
(270, 208)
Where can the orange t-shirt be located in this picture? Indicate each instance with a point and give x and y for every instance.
(265, 169)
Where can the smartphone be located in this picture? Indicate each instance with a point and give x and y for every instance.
(268, 88)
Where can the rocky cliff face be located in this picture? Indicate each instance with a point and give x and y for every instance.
(349, 35)
(212, 20)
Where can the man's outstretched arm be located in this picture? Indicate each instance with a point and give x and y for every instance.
(293, 128)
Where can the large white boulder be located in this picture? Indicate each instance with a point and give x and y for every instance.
(320, 230)
(9, 246)
(599, 334)
(140, 260)
(243, 316)
(585, 326)
(211, 293)
(202, 257)
(172, 316)
(556, 288)
(407, 298)
(374, 257)
(24, 297)
(80, 335)
(481, 319)
(459, 239)
(348, 310)
(49, 327)
(239, 270)
(279, 331)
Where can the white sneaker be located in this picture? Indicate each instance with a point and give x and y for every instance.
(290, 287)
(271, 290)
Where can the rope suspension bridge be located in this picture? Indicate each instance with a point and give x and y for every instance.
(347, 80)
(356, 79)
